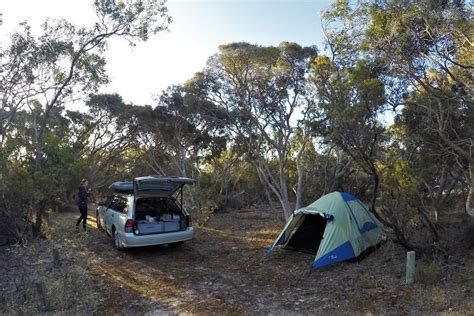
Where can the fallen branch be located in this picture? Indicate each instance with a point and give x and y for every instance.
(42, 261)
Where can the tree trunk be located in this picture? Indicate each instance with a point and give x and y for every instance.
(37, 225)
(280, 189)
(179, 163)
(431, 226)
(38, 155)
(284, 199)
(3, 154)
(299, 185)
(375, 177)
(265, 189)
(4, 164)
(39, 133)
(470, 194)
(269, 196)
(300, 172)
(400, 237)
(340, 171)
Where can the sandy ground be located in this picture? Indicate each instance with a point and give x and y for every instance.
(223, 270)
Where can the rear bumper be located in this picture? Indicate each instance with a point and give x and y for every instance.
(132, 240)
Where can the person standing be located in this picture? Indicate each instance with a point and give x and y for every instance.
(84, 192)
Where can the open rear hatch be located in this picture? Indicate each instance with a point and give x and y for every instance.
(156, 209)
(159, 186)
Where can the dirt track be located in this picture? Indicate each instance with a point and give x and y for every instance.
(223, 270)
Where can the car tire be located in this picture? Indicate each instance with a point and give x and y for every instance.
(117, 242)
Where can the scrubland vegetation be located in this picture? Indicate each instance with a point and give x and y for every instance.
(384, 111)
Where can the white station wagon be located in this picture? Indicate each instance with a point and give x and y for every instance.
(146, 212)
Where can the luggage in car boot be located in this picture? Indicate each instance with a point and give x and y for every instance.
(146, 227)
(171, 226)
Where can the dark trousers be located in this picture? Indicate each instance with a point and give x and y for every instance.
(83, 217)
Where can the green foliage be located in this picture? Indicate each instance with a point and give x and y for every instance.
(134, 19)
(19, 196)
(233, 126)
(424, 44)
(257, 91)
(63, 166)
(41, 74)
(400, 175)
(400, 53)
(400, 189)
(350, 102)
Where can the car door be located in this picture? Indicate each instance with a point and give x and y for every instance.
(109, 213)
(115, 212)
(103, 210)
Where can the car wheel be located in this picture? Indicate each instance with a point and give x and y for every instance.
(97, 219)
(117, 242)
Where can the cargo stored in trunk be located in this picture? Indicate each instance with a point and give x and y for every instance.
(154, 215)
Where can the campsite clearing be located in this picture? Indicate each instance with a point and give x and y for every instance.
(224, 270)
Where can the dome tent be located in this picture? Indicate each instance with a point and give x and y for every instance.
(336, 227)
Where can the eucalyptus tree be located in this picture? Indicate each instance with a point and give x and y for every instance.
(421, 52)
(62, 165)
(261, 90)
(64, 63)
(177, 132)
(350, 91)
(427, 45)
(108, 137)
(350, 101)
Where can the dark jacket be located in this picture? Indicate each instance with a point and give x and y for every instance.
(83, 195)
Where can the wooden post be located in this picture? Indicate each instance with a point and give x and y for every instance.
(410, 273)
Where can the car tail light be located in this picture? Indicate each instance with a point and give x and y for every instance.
(189, 221)
(129, 226)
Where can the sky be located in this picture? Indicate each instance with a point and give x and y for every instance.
(198, 28)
